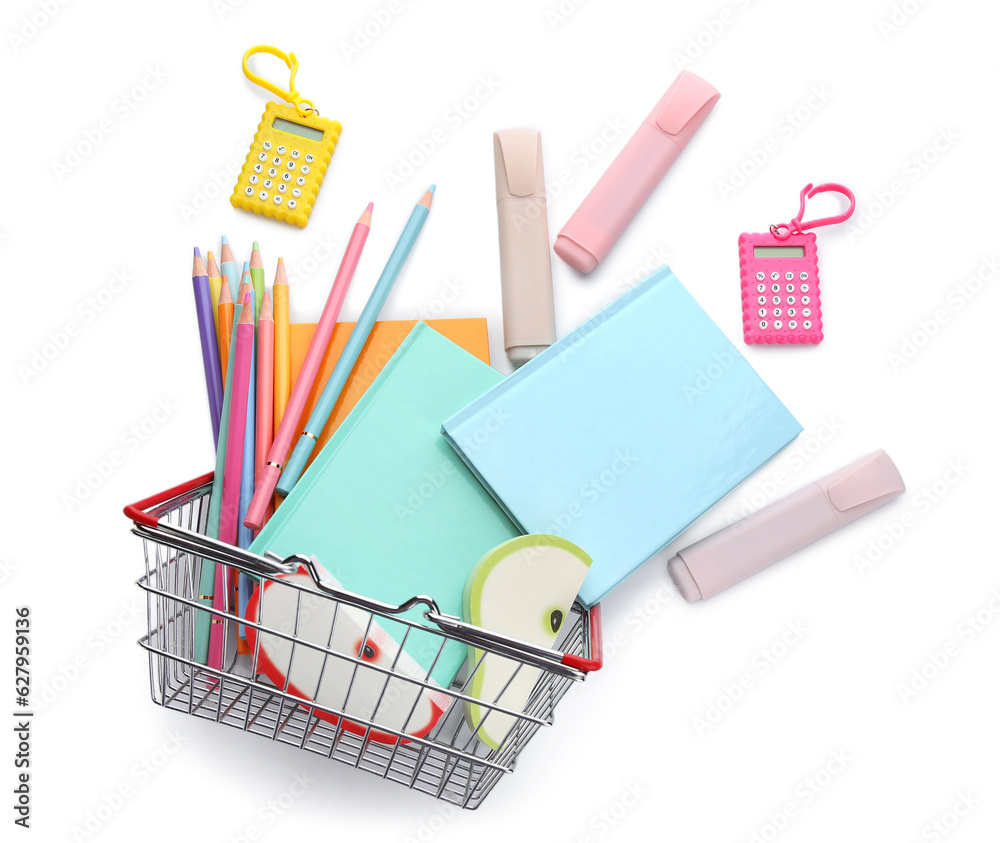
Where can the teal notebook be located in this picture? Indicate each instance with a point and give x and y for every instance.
(388, 507)
(626, 430)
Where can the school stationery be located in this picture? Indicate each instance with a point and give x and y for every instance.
(342, 683)
(359, 336)
(215, 286)
(230, 269)
(386, 337)
(206, 583)
(785, 526)
(289, 154)
(209, 346)
(387, 507)
(229, 514)
(524, 588)
(625, 431)
(265, 384)
(247, 471)
(226, 314)
(297, 399)
(282, 347)
(779, 277)
(257, 277)
(607, 210)
(529, 321)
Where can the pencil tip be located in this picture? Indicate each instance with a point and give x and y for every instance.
(246, 315)
(371, 207)
(225, 242)
(366, 217)
(427, 198)
(432, 188)
(210, 255)
(266, 310)
(197, 252)
(281, 261)
(255, 246)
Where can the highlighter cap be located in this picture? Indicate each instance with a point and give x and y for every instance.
(862, 486)
(517, 157)
(683, 108)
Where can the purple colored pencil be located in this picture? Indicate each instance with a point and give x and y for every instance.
(209, 342)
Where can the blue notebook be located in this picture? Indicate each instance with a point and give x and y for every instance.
(625, 431)
(387, 507)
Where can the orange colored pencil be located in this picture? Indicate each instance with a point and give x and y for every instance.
(226, 311)
(265, 386)
(282, 344)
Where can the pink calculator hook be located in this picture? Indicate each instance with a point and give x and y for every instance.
(796, 226)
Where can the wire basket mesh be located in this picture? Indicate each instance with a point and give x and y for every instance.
(370, 706)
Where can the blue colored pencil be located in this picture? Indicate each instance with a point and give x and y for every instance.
(359, 336)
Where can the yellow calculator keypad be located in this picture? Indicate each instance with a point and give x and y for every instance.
(286, 163)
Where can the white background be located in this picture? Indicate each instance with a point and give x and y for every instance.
(907, 365)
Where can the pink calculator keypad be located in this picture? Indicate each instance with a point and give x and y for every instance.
(780, 293)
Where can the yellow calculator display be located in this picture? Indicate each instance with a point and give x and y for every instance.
(286, 163)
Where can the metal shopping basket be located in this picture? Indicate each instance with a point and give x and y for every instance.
(448, 761)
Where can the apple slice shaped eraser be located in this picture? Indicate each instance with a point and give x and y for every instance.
(523, 588)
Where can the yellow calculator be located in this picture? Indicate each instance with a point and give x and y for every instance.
(289, 154)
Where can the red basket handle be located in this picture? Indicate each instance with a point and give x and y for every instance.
(596, 660)
(136, 511)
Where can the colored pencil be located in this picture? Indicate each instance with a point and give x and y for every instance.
(215, 285)
(359, 336)
(247, 472)
(257, 274)
(265, 386)
(206, 581)
(209, 342)
(229, 516)
(282, 344)
(226, 315)
(229, 267)
(310, 366)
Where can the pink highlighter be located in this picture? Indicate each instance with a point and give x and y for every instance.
(616, 198)
(772, 533)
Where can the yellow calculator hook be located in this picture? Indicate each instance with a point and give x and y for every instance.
(302, 105)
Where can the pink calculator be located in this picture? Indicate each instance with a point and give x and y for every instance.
(780, 281)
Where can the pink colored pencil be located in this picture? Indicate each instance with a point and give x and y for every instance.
(229, 516)
(265, 387)
(289, 426)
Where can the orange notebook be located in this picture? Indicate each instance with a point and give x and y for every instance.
(385, 338)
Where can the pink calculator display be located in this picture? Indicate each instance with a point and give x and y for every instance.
(780, 284)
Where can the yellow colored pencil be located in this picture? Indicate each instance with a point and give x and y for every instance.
(282, 344)
(215, 285)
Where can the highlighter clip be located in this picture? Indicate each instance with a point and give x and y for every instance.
(796, 226)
